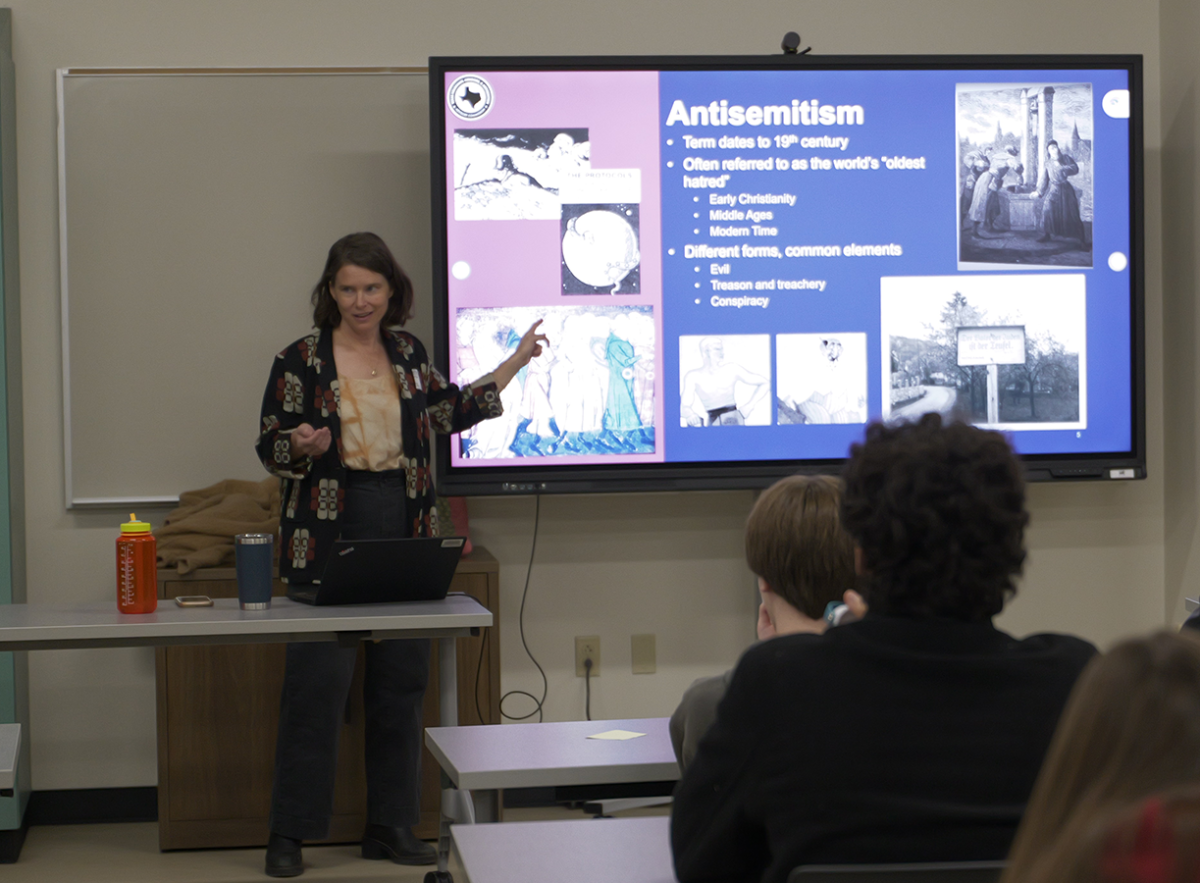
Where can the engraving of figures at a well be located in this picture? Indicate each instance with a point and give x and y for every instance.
(1025, 174)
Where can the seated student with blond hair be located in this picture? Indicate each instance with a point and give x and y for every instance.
(803, 559)
(914, 734)
(1121, 782)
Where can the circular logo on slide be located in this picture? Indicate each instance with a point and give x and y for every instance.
(470, 97)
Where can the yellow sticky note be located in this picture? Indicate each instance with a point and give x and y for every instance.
(617, 735)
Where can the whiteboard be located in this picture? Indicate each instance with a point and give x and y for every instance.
(196, 211)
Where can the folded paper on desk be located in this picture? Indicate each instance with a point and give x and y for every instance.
(617, 735)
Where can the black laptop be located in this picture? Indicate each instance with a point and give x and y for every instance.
(384, 571)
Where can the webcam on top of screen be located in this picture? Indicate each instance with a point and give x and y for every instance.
(791, 44)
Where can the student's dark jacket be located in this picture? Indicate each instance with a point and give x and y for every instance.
(886, 740)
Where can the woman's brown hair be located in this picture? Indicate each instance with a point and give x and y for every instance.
(1130, 729)
(795, 542)
(368, 251)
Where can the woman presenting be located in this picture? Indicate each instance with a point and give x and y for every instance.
(346, 421)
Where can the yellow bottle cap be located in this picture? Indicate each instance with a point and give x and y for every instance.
(135, 526)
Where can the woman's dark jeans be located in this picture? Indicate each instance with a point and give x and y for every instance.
(315, 686)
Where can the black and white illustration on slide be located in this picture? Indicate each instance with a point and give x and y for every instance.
(1024, 175)
(515, 174)
(821, 378)
(944, 335)
(600, 249)
(600, 232)
(725, 380)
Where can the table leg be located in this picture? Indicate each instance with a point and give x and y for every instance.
(452, 798)
(448, 681)
(486, 805)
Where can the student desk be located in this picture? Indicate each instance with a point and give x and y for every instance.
(582, 851)
(484, 760)
(480, 761)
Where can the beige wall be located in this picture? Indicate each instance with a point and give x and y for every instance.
(609, 565)
(1180, 27)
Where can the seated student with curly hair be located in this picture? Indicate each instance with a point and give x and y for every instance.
(914, 734)
(803, 559)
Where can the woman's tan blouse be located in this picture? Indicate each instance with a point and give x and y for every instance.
(370, 413)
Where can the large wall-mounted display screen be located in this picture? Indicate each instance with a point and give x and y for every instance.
(740, 262)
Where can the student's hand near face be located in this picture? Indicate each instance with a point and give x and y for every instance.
(856, 603)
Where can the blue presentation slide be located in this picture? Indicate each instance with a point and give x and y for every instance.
(828, 237)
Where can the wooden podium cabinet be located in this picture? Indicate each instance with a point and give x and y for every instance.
(218, 712)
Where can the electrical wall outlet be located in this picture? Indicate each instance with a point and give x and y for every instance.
(587, 647)
(642, 653)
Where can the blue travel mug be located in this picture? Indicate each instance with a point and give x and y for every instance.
(254, 555)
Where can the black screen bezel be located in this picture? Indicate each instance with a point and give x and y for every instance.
(543, 478)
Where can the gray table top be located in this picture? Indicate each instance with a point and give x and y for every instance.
(40, 627)
(553, 754)
(10, 745)
(582, 851)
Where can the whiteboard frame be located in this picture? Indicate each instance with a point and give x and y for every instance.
(61, 74)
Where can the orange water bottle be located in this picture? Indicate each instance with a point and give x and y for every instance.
(137, 568)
